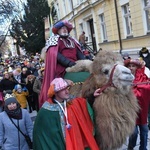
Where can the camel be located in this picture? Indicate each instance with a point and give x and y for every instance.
(116, 107)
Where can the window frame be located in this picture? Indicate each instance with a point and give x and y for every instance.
(103, 29)
(146, 12)
(127, 21)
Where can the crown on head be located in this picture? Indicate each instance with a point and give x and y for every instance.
(8, 96)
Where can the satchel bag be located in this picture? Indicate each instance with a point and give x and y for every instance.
(27, 138)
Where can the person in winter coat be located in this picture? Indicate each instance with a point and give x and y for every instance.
(32, 97)
(37, 84)
(141, 89)
(25, 72)
(10, 137)
(144, 53)
(6, 84)
(21, 95)
(38, 81)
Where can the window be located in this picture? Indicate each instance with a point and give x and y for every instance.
(58, 11)
(103, 27)
(81, 27)
(147, 13)
(127, 20)
(79, 2)
(65, 10)
(70, 5)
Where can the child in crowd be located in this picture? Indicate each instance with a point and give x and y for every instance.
(21, 95)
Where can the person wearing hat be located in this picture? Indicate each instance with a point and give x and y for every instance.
(24, 73)
(125, 56)
(63, 122)
(7, 84)
(21, 95)
(141, 89)
(10, 137)
(62, 52)
(144, 53)
(32, 98)
(37, 85)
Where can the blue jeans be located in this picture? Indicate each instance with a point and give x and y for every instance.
(143, 137)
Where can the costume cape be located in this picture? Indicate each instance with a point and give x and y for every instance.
(48, 135)
(50, 69)
(142, 92)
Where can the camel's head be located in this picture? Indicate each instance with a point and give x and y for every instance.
(108, 67)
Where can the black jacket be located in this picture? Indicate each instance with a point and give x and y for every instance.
(66, 62)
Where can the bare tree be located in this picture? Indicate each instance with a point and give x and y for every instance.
(9, 9)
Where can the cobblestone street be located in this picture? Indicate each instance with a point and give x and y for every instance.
(124, 147)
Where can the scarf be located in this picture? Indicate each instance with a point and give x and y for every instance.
(15, 114)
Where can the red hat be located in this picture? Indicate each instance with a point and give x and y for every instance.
(136, 62)
(60, 24)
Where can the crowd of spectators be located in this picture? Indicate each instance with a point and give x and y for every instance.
(18, 75)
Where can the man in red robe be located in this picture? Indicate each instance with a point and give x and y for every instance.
(62, 52)
(141, 90)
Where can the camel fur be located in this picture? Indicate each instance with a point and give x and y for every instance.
(81, 65)
(116, 107)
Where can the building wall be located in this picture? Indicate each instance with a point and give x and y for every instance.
(85, 10)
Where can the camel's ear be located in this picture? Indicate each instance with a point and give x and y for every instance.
(88, 87)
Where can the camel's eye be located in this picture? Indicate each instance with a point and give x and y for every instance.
(106, 71)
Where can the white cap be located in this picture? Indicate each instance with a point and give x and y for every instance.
(10, 69)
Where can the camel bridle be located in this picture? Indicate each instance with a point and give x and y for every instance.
(109, 83)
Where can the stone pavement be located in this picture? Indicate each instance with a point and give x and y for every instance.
(124, 147)
(33, 115)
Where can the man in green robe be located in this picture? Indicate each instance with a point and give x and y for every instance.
(63, 122)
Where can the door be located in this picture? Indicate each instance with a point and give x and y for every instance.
(92, 35)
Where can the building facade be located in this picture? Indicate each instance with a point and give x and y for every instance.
(115, 25)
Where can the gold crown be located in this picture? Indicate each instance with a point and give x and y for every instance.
(8, 96)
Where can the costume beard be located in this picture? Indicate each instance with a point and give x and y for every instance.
(64, 35)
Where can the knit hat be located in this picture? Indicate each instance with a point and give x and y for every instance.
(15, 113)
(136, 62)
(58, 84)
(60, 24)
(9, 99)
(10, 70)
(144, 50)
(18, 86)
(125, 54)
